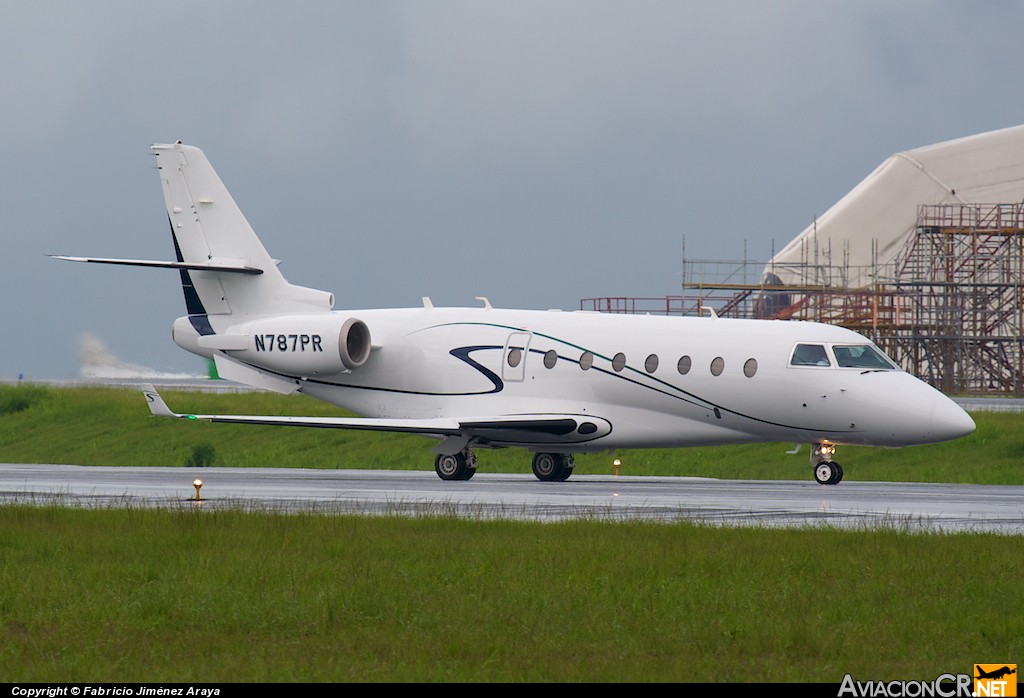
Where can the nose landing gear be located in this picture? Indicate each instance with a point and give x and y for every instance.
(826, 471)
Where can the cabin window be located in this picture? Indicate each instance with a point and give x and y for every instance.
(717, 366)
(685, 362)
(652, 363)
(586, 361)
(809, 355)
(750, 368)
(619, 362)
(550, 358)
(515, 355)
(862, 356)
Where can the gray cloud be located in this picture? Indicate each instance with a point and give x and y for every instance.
(534, 152)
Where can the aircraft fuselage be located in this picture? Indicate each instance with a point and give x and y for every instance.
(658, 381)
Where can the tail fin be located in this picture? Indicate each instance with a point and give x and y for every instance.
(225, 270)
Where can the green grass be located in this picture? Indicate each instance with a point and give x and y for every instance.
(222, 596)
(136, 595)
(105, 426)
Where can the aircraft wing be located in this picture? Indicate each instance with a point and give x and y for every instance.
(505, 430)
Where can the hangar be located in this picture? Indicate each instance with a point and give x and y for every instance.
(925, 256)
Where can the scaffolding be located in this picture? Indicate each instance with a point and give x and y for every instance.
(949, 308)
(959, 283)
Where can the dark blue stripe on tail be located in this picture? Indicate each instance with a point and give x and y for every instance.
(193, 305)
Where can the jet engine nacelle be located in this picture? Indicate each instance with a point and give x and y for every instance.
(296, 345)
(306, 345)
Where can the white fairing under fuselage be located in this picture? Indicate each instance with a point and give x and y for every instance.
(657, 381)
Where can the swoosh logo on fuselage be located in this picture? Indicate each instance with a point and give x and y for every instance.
(660, 386)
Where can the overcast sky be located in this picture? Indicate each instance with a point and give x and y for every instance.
(533, 152)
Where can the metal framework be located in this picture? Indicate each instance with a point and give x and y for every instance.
(949, 308)
(960, 281)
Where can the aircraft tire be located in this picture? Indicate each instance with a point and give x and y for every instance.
(547, 466)
(552, 467)
(452, 467)
(566, 470)
(825, 473)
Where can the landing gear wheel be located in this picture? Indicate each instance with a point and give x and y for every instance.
(567, 465)
(552, 467)
(828, 473)
(450, 466)
(455, 466)
(545, 465)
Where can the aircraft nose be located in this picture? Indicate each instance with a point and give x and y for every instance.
(949, 421)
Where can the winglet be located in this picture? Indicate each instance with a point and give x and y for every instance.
(156, 403)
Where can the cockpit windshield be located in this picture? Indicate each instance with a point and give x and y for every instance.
(862, 356)
(809, 355)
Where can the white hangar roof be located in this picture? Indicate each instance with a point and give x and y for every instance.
(986, 168)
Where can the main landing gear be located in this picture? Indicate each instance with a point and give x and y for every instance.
(456, 466)
(552, 467)
(549, 467)
(826, 470)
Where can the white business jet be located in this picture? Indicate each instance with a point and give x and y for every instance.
(554, 383)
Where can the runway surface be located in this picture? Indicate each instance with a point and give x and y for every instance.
(904, 506)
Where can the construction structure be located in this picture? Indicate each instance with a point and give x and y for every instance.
(956, 314)
(936, 281)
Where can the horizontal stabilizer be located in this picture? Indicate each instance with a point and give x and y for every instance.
(197, 266)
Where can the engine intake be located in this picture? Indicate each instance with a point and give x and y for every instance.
(354, 343)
